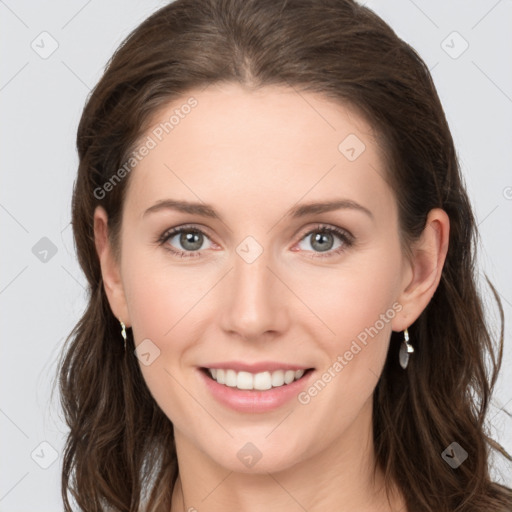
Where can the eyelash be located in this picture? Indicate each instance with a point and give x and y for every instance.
(344, 236)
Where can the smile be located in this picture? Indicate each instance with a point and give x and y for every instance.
(257, 381)
(260, 392)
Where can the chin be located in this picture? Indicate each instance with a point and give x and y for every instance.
(257, 457)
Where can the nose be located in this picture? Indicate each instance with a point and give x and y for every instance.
(257, 300)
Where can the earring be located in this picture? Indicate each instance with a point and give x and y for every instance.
(123, 333)
(405, 349)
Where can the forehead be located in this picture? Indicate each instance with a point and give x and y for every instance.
(275, 144)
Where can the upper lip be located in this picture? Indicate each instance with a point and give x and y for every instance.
(271, 366)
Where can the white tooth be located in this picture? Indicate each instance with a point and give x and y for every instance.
(262, 381)
(221, 376)
(277, 378)
(244, 380)
(231, 379)
(289, 376)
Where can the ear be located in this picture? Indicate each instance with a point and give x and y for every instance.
(109, 267)
(423, 272)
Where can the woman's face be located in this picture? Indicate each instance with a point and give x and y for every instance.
(253, 280)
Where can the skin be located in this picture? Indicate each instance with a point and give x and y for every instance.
(253, 155)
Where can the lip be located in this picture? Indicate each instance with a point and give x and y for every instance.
(252, 401)
(262, 366)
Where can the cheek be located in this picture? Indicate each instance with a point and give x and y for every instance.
(356, 306)
(352, 298)
(161, 303)
(159, 291)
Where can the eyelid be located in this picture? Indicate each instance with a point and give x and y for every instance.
(320, 226)
(171, 232)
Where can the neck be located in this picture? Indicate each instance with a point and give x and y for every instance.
(340, 477)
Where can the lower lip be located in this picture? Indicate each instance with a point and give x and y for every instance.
(253, 400)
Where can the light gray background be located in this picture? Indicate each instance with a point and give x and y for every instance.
(41, 101)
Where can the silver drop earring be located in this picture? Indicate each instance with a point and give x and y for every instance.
(405, 349)
(123, 333)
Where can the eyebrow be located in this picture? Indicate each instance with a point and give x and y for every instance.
(302, 210)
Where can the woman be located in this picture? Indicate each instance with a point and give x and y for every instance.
(283, 312)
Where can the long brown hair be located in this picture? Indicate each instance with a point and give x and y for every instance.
(120, 450)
